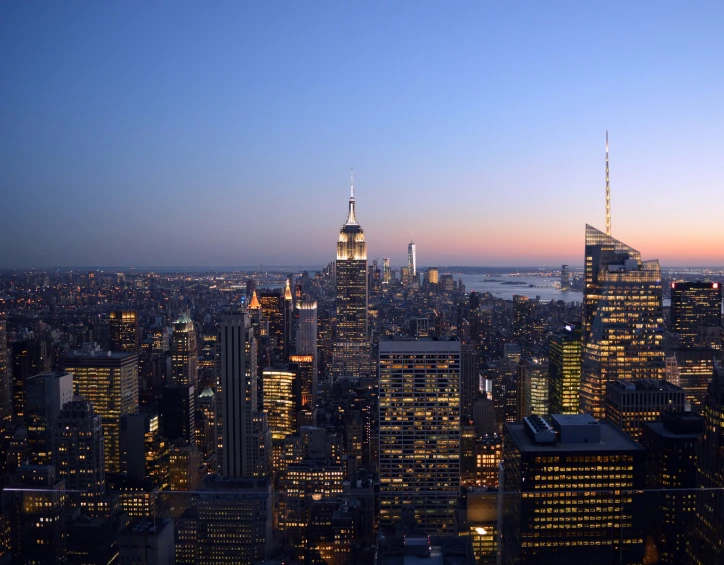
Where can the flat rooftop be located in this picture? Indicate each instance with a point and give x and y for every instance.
(644, 385)
(612, 439)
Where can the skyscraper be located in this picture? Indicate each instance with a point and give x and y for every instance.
(6, 392)
(306, 349)
(45, 395)
(696, 314)
(565, 278)
(622, 318)
(125, 332)
(184, 356)
(412, 261)
(281, 403)
(564, 349)
(110, 382)
(243, 430)
(79, 455)
(419, 431)
(351, 350)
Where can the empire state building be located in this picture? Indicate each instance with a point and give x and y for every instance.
(351, 349)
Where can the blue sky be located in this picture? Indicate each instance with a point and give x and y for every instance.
(190, 133)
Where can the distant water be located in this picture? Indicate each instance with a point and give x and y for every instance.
(500, 286)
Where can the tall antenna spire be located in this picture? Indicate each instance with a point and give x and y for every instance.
(351, 181)
(608, 194)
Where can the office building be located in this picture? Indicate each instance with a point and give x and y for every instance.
(469, 378)
(28, 356)
(622, 318)
(79, 457)
(565, 278)
(244, 432)
(184, 354)
(564, 367)
(696, 314)
(533, 387)
(629, 404)
(571, 492)
(178, 413)
(110, 382)
(272, 312)
(144, 451)
(289, 333)
(147, 542)
(45, 395)
(124, 331)
(306, 355)
(386, 271)
(523, 317)
(693, 369)
(671, 469)
(6, 389)
(282, 401)
(351, 348)
(419, 431)
(706, 543)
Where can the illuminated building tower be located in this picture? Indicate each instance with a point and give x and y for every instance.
(696, 319)
(564, 350)
(144, 451)
(419, 431)
(565, 278)
(79, 454)
(184, 356)
(533, 387)
(622, 318)
(244, 432)
(331, 533)
(45, 395)
(386, 270)
(288, 323)
(629, 404)
(29, 356)
(34, 505)
(306, 350)
(432, 276)
(178, 412)
(696, 314)
(110, 382)
(281, 404)
(412, 261)
(558, 479)
(523, 312)
(671, 466)
(272, 310)
(125, 331)
(706, 545)
(469, 378)
(351, 349)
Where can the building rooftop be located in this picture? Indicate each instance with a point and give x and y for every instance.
(644, 385)
(612, 439)
(98, 355)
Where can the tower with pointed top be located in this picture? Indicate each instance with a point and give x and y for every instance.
(608, 194)
(351, 349)
(288, 321)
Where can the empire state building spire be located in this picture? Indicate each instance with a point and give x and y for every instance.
(351, 219)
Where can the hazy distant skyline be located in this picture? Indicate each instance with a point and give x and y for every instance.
(200, 134)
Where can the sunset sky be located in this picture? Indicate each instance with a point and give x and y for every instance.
(201, 134)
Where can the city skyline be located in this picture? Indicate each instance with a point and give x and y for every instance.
(158, 136)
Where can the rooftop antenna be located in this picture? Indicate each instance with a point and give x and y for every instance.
(608, 194)
(351, 180)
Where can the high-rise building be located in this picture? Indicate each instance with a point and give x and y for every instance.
(696, 314)
(419, 431)
(45, 395)
(351, 349)
(565, 278)
(692, 370)
(184, 355)
(706, 545)
(386, 270)
(144, 451)
(622, 318)
(125, 331)
(533, 387)
(178, 413)
(629, 404)
(272, 311)
(671, 469)
(570, 492)
(523, 316)
(29, 356)
(243, 430)
(412, 261)
(469, 377)
(110, 382)
(281, 403)
(6, 392)
(288, 312)
(79, 454)
(306, 347)
(564, 350)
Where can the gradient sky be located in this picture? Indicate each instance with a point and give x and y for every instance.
(193, 133)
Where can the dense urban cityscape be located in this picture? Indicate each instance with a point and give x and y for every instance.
(364, 413)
